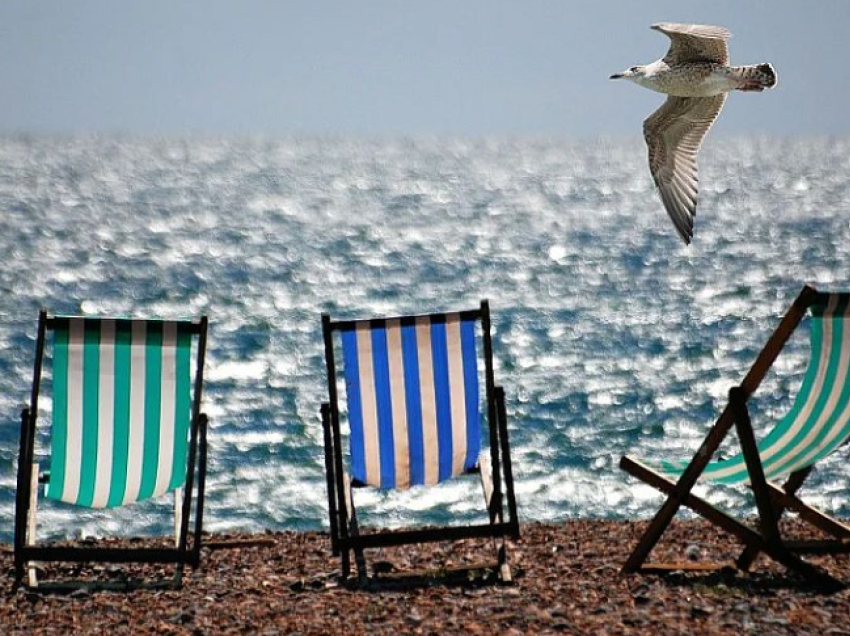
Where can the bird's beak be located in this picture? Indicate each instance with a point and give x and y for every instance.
(616, 76)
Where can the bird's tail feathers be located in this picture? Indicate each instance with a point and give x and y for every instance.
(755, 77)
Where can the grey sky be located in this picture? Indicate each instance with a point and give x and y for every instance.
(388, 67)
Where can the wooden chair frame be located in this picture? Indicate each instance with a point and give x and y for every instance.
(771, 499)
(29, 479)
(346, 535)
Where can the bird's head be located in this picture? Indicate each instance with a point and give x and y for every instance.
(634, 73)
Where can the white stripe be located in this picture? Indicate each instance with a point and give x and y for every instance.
(429, 401)
(829, 409)
(136, 445)
(780, 445)
(105, 414)
(399, 404)
(368, 402)
(74, 441)
(167, 405)
(457, 391)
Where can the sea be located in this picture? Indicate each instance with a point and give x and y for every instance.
(610, 335)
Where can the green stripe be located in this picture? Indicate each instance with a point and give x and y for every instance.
(91, 377)
(182, 408)
(782, 427)
(841, 322)
(59, 436)
(121, 440)
(817, 411)
(153, 388)
(839, 334)
(737, 461)
(805, 392)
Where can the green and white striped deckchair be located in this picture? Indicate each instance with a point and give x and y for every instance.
(817, 424)
(125, 427)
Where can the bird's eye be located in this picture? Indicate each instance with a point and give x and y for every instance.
(633, 69)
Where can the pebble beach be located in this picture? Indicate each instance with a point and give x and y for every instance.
(566, 581)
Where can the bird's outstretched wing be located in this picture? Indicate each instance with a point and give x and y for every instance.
(695, 43)
(673, 135)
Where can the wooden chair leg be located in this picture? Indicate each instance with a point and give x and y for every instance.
(32, 575)
(178, 514)
(504, 567)
(203, 450)
(346, 563)
(676, 495)
(353, 534)
(177, 579)
(485, 472)
(792, 485)
(768, 515)
(23, 490)
(785, 498)
(507, 463)
(742, 532)
(330, 477)
(360, 560)
(178, 576)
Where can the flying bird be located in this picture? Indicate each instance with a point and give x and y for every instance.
(696, 76)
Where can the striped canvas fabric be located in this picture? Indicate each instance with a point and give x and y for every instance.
(413, 400)
(819, 421)
(121, 410)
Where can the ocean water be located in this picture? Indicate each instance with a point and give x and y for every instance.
(610, 336)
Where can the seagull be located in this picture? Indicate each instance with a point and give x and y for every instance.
(696, 76)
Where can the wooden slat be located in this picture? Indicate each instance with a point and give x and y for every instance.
(750, 537)
(80, 554)
(427, 535)
(697, 504)
(794, 482)
(809, 514)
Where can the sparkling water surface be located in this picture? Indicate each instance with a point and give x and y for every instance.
(610, 336)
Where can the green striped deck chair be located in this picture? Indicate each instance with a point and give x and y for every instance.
(817, 424)
(412, 387)
(125, 427)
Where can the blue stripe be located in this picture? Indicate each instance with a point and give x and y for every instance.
(442, 394)
(413, 401)
(355, 408)
(384, 405)
(470, 382)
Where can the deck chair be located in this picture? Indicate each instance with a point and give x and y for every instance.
(125, 427)
(817, 424)
(414, 416)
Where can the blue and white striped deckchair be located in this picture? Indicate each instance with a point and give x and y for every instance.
(413, 390)
(817, 424)
(125, 428)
